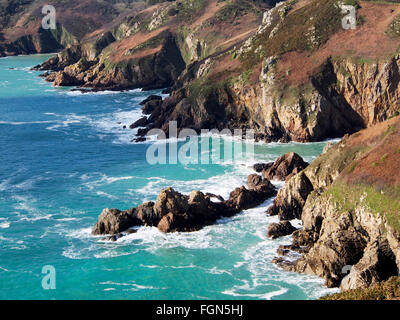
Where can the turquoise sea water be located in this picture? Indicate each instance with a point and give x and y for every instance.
(65, 156)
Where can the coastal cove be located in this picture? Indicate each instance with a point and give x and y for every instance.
(66, 156)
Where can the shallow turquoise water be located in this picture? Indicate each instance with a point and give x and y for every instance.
(65, 156)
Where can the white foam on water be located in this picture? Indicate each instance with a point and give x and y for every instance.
(221, 185)
(4, 225)
(153, 240)
(21, 123)
(104, 194)
(81, 233)
(114, 124)
(215, 270)
(132, 285)
(262, 296)
(26, 210)
(67, 120)
(112, 253)
(4, 185)
(104, 180)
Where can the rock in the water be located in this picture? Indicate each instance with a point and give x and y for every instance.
(284, 166)
(260, 167)
(173, 223)
(242, 198)
(192, 213)
(114, 221)
(254, 180)
(151, 98)
(150, 106)
(281, 229)
(142, 122)
(145, 213)
(174, 212)
(170, 201)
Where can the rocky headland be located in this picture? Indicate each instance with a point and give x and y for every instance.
(285, 70)
(348, 201)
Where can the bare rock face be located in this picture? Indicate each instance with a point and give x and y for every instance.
(196, 211)
(114, 221)
(259, 184)
(150, 98)
(281, 229)
(260, 167)
(290, 200)
(170, 201)
(254, 180)
(284, 166)
(64, 79)
(151, 106)
(242, 198)
(145, 212)
(142, 122)
(377, 264)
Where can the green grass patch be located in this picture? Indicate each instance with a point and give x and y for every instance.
(304, 30)
(188, 10)
(381, 201)
(387, 290)
(393, 29)
(234, 10)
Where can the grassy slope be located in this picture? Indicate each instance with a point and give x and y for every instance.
(386, 290)
(372, 179)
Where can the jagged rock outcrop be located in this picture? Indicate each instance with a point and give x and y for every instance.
(291, 198)
(157, 70)
(281, 229)
(113, 221)
(350, 215)
(285, 166)
(322, 172)
(174, 212)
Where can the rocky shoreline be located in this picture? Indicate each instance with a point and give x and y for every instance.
(174, 212)
(349, 237)
(350, 247)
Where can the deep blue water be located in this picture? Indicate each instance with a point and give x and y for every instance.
(65, 156)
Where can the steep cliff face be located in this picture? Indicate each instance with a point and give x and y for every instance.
(350, 210)
(152, 47)
(158, 70)
(21, 29)
(309, 94)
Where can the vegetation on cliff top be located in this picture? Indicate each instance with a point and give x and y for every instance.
(386, 290)
(304, 29)
(371, 180)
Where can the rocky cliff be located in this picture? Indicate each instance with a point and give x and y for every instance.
(21, 29)
(290, 72)
(258, 84)
(348, 201)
